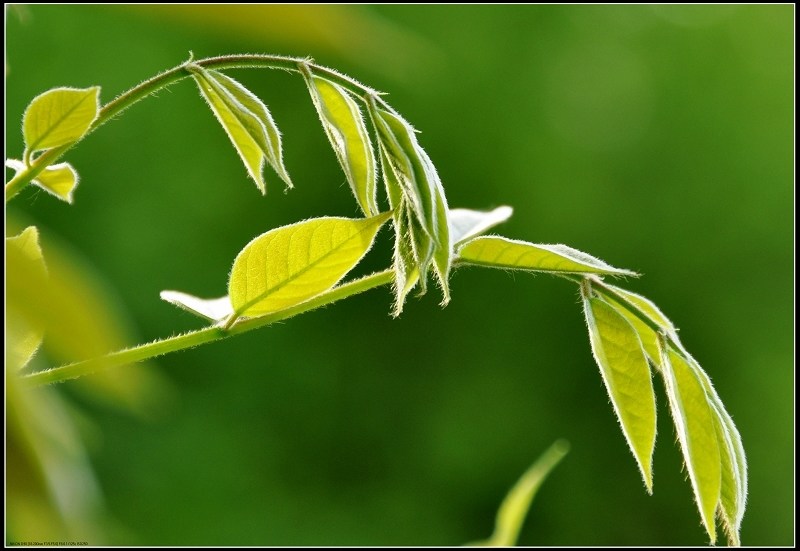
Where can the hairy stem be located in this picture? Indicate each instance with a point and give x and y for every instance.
(202, 336)
(170, 76)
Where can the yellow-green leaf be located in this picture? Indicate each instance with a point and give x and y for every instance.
(443, 253)
(618, 351)
(24, 263)
(501, 252)
(291, 264)
(695, 424)
(59, 116)
(512, 512)
(647, 334)
(246, 120)
(343, 123)
(466, 224)
(643, 305)
(59, 180)
(733, 463)
(214, 309)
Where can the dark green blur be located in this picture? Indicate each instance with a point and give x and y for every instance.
(659, 139)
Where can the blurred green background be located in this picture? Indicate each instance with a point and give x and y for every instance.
(657, 138)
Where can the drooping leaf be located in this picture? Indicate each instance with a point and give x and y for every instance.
(59, 116)
(246, 120)
(695, 424)
(512, 512)
(643, 305)
(341, 118)
(647, 334)
(443, 253)
(291, 264)
(618, 351)
(214, 309)
(501, 252)
(466, 224)
(59, 180)
(733, 490)
(24, 263)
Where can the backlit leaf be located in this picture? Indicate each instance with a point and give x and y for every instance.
(618, 351)
(213, 309)
(59, 180)
(512, 512)
(695, 424)
(501, 252)
(59, 116)
(466, 224)
(246, 120)
(291, 264)
(643, 305)
(341, 118)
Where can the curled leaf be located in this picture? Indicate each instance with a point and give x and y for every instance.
(344, 125)
(466, 224)
(213, 309)
(246, 120)
(501, 252)
(291, 264)
(59, 116)
(59, 180)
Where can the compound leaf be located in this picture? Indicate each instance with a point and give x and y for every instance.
(246, 120)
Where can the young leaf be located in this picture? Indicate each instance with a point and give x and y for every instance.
(618, 351)
(59, 180)
(24, 262)
(247, 122)
(512, 512)
(212, 309)
(466, 224)
(291, 264)
(341, 118)
(59, 116)
(501, 252)
(643, 305)
(443, 253)
(695, 424)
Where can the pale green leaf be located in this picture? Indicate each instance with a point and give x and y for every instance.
(644, 306)
(24, 263)
(501, 252)
(59, 180)
(512, 512)
(443, 253)
(466, 224)
(695, 424)
(618, 351)
(343, 123)
(291, 264)
(59, 116)
(733, 491)
(647, 334)
(247, 122)
(214, 309)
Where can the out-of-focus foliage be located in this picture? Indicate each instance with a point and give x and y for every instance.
(658, 137)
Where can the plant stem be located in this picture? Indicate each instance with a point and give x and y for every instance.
(170, 76)
(202, 336)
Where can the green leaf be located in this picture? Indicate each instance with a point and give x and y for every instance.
(643, 305)
(246, 120)
(59, 180)
(695, 423)
(466, 224)
(24, 263)
(341, 118)
(212, 309)
(733, 490)
(512, 512)
(291, 264)
(501, 252)
(443, 253)
(59, 116)
(618, 351)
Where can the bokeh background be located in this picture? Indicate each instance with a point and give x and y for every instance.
(657, 138)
